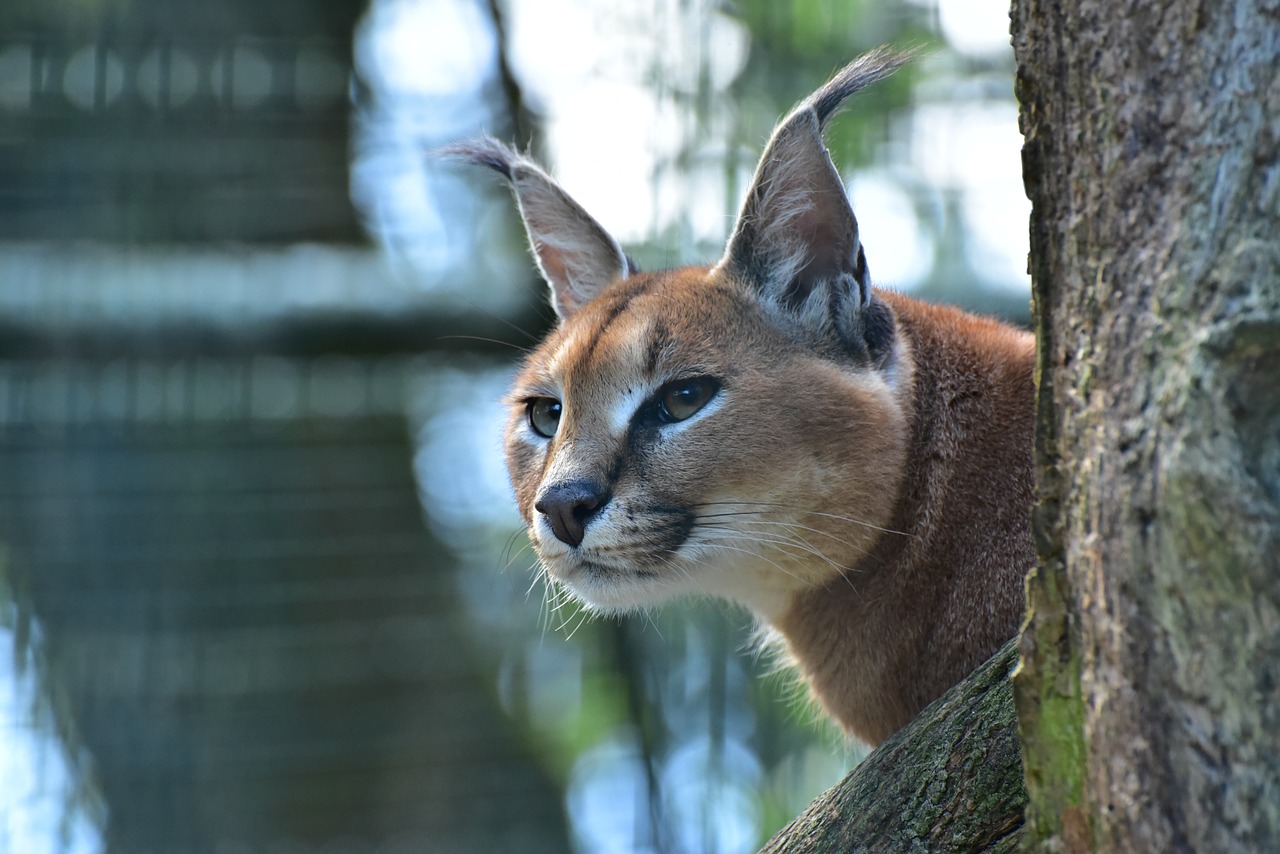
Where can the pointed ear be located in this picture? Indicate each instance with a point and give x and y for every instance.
(796, 239)
(576, 255)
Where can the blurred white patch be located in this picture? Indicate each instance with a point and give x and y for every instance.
(425, 47)
(554, 47)
(611, 81)
(39, 809)
(997, 217)
(459, 464)
(974, 149)
(699, 195)
(542, 685)
(722, 41)
(609, 800)
(899, 251)
(709, 793)
(709, 803)
(611, 173)
(429, 67)
(975, 27)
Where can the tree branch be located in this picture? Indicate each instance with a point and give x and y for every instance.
(951, 780)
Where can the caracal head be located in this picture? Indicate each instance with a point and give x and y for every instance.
(736, 430)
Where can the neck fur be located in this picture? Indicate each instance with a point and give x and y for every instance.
(931, 603)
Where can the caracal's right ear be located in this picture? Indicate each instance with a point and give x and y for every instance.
(576, 255)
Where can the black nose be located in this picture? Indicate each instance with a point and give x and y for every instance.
(569, 507)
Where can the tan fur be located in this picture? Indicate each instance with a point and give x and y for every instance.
(917, 497)
(813, 424)
(861, 481)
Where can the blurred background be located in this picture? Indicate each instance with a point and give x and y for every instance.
(262, 586)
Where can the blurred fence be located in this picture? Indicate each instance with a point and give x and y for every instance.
(174, 120)
(245, 623)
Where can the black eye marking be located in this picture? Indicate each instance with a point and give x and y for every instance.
(544, 415)
(680, 399)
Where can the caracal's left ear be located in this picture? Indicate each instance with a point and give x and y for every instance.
(576, 255)
(796, 239)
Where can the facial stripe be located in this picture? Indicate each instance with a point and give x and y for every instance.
(621, 301)
(659, 340)
(615, 466)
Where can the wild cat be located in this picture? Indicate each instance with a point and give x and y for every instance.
(851, 465)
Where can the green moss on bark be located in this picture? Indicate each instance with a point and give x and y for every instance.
(1051, 721)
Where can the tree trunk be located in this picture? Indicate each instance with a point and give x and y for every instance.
(950, 781)
(1149, 700)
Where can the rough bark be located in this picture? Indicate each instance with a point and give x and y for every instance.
(1149, 700)
(950, 781)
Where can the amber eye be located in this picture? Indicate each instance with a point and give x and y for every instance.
(680, 399)
(544, 415)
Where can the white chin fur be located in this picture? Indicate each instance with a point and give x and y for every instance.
(618, 595)
(618, 591)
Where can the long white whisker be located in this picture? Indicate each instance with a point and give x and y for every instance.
(779, 540)
(567, 621)
(717, 541)
(774, 564)
(507, 546)
(516, 556)
(860, 522)
(544, 608)
(540, 575)
(786, 535)
(806, 510)
(581, 623)
(859, 549)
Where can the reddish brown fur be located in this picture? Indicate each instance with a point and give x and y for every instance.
(860, 475)
(926, 609)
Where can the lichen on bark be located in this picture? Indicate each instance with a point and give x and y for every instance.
(950, 781)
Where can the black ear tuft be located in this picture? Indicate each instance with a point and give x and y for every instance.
(871, 67)
(484, 151)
